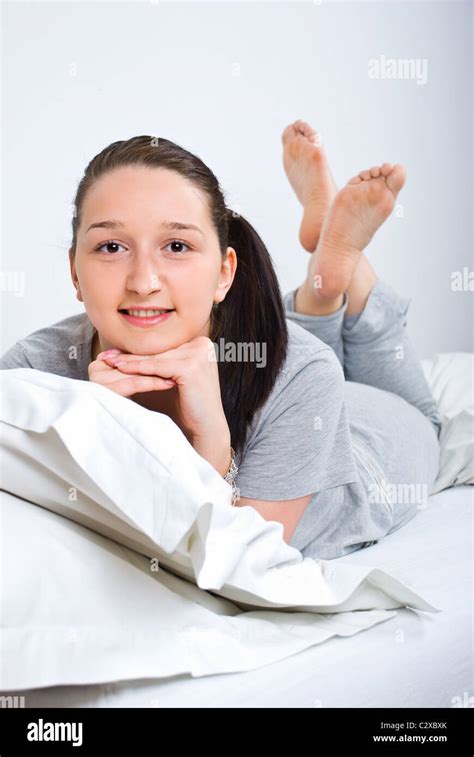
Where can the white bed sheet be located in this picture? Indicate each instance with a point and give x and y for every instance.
(412, 661)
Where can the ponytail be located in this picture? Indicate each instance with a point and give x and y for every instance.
(251, 313)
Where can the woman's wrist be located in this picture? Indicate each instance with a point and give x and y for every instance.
(217, 451)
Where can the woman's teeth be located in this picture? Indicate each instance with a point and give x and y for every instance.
(145, 313)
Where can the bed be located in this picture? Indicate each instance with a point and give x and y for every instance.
(399, 636)
(410, 662)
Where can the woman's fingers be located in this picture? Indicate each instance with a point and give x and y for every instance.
(128, 385)
(101, 364)
(146, 366)
(134, 384)
(108, 353)
(143, 368)
(102, 373)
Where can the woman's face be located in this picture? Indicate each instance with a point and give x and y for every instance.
(139, 260)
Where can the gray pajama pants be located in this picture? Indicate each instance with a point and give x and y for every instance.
(393, 419)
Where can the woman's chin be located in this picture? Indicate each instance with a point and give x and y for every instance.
(144, 347)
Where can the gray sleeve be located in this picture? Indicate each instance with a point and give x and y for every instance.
(15, 357)
(304, 444)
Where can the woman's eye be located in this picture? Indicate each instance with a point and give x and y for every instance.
(174, 242)
(106, 244)
(181, 244)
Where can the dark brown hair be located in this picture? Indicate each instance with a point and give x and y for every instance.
(252, 310)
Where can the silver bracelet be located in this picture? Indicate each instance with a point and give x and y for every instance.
(230, 477)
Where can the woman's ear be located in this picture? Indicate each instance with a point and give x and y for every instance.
(75, 280)
(227, 274)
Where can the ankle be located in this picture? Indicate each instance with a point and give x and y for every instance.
(363, 281)
(309, 301)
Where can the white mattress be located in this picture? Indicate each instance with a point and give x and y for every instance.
(413, 660)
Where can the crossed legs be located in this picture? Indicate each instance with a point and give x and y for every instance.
(336, 226)
(341, 300)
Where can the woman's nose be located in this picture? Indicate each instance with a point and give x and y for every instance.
(144, 277)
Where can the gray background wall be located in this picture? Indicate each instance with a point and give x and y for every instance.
(223, 79)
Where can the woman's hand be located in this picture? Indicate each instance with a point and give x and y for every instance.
(192, 367)
(101, 373)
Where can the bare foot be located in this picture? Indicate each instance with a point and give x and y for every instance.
(308, 172)
(358, 210)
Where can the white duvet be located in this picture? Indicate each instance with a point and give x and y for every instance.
(220, 591)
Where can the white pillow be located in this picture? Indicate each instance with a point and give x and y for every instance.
(79, 608)
(450, 376)
(83, 452)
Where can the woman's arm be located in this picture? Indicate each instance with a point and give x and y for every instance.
(288, 512)
(215, 449)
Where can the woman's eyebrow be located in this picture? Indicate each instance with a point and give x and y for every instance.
(172, 225)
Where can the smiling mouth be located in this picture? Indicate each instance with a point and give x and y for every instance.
(145, 318)
(145, 311)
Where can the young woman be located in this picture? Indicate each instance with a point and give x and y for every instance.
(151, 232)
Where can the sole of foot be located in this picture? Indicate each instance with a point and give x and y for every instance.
(308, 172)
(356, 213)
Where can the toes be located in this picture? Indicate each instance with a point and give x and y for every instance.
(303, 127)
(292, 130)
(298, 128)
(316, 139)
(355, 180)
(396, 178)
(287, 134)
(386, 168)
(394, 175)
